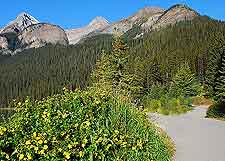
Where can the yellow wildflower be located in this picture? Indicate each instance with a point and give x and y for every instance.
(28, 142)
(38, 138)
(59, 149)
(29, 157)
(67, 155)
(40, 142)
(7, 156)
(42, 152)
(21, 156)
(4, 129)
(70, 146)
(34, 134)
(36, 149)
(81, 153)
(45, 147)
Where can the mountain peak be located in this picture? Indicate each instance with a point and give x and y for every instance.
(25, 19)
(22, 21)
(99, 21)
(182, 6)
(150, 10)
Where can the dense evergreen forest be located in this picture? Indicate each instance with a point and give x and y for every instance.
(42, 72)
(155, 57)
(160, 53)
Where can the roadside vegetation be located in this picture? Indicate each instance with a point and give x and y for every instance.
(98, 123)
(216, 83)
(176, 96)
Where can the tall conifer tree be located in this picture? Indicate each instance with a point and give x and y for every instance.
(220, 82)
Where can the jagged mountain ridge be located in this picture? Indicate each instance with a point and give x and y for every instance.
(126, 24)
(148, 19)
(75, 35)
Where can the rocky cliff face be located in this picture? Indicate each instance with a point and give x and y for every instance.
(26, 32)
(152, 18)
(22, 21)
(41, 34)
(3, 43)
(75, 35)
(175, 14)
(138, 18)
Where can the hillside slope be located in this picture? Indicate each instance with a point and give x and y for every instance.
(155, 57)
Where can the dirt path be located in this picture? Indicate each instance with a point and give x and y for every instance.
(196, 138)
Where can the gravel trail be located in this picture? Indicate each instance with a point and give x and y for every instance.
(196, 138)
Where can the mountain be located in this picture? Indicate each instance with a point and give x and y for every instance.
(126, 24)
(145, 20)
(75, 35)
(27, 32)
(166, 39)
(22, 21)
(151, 18)
(175, 14)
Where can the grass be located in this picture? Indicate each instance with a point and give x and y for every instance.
(82, 126)
(167, 106)
(201, 100)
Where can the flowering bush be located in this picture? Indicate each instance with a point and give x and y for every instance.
(80, 126)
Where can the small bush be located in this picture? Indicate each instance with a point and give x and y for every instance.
(81, 126)
(216, 111)
(166, 105)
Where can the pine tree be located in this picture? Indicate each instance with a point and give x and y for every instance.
(184, 83)
(220, 82)
(112, 72)
(213, 68)
(101, 76)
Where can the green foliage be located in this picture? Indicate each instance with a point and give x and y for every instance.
(220, 81)
(213, 73)
(112, 72)
(159, 100)
(216, 82)
(153, 58)
(80, 126)
(184, 83)
(172, 46)
(217, 110)
(45, 71)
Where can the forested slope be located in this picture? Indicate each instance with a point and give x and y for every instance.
(159, 54)
(155, 57)
(45, 71)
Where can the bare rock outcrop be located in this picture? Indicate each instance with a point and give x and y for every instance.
(41, 34)
(126, 24)
(75, 35)
(175, 14)
(22, 21)
(3, 43)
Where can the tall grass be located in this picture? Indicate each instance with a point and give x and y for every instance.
(160, 100)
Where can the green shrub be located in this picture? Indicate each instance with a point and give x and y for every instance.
(80, 126)
(216, 111)
(167, 105)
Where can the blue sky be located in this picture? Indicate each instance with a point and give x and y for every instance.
(77, 13)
